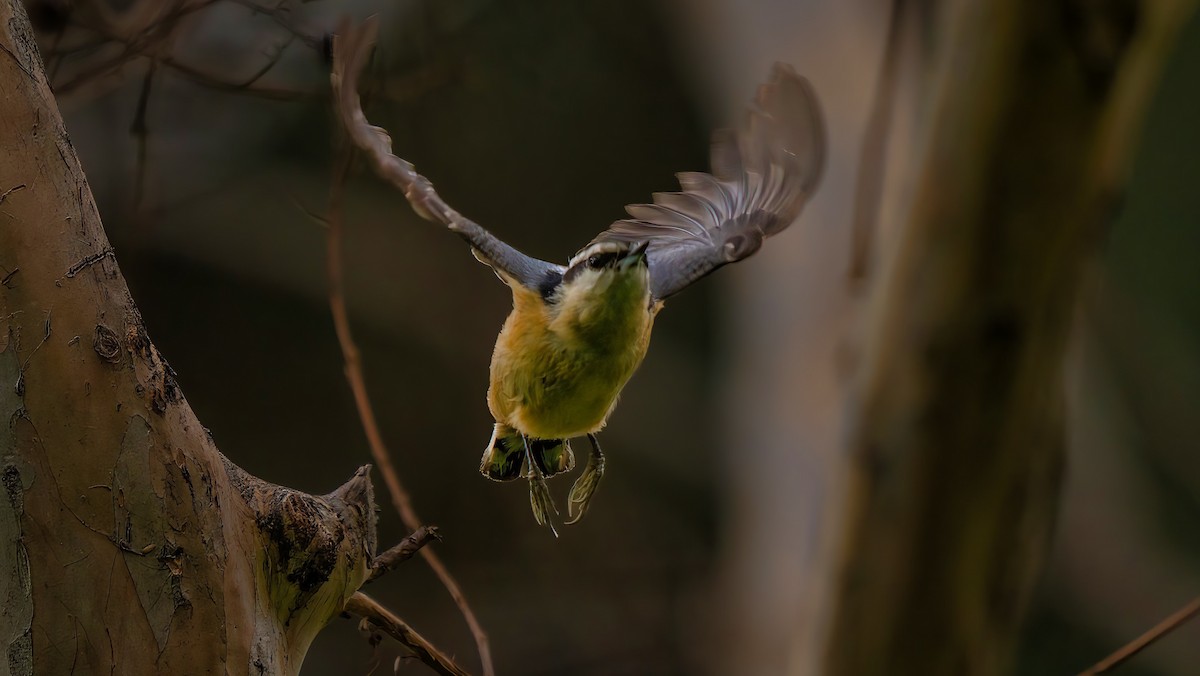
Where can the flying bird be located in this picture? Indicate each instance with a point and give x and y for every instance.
(577, 332)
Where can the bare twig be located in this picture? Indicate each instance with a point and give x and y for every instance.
(354, 376)
(281, 15)
(1176, 620)
(148, 42)
(367, 608)
(141, 133)
(139, 17)
(246, 86)
(402, 552)
(96, 72)
(149, 32)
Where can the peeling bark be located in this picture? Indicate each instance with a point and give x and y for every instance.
(128, 543)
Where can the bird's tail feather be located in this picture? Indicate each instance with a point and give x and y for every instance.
(504, 457)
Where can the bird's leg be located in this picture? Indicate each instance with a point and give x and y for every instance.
(587, 483)
(539, 494)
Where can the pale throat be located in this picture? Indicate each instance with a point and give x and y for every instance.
(608, 310)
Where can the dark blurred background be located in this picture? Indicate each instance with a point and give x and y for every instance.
(540, 119)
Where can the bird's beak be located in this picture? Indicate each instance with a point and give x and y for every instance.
(635, 256)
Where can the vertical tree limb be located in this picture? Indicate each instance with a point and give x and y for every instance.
(956, 426)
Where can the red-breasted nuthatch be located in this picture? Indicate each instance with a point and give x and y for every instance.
(577, 332)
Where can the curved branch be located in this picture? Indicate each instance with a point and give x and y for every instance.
(367, 608)
(358, 386)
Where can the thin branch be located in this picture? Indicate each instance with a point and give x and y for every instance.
(141, 133)
(148, 41)
(281, 15)
(354, 376)
(272, 60)
(122, 47)
(145, 40)
(140, 17)
(1176, 620)
(367, 608)
(98, 71)
(402, 552)
(204, 79)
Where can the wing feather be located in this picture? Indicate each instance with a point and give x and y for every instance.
(667, 217)
(762, 176)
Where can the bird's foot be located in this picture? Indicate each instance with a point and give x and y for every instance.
(544, 509)
(587, 483)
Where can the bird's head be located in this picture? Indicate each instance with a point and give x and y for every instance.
(599, 264)
(605, 275)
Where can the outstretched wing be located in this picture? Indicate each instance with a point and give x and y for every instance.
(509, 263)
(762, 175)
(351, 48)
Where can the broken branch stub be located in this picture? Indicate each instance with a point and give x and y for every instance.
(315, 551)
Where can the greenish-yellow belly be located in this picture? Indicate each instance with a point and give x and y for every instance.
(571, 401)
(558, 392)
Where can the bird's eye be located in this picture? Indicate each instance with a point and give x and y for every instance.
(593, 261)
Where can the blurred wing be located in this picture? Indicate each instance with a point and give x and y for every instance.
(351, 47)
(762, 176)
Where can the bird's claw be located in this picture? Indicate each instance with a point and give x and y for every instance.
(584, 488)
(541, 502)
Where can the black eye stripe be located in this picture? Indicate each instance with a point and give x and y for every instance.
(603, 258)
(594, 262)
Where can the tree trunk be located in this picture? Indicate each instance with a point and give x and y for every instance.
(128, 543)
(1026, 114)
(893, 452)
